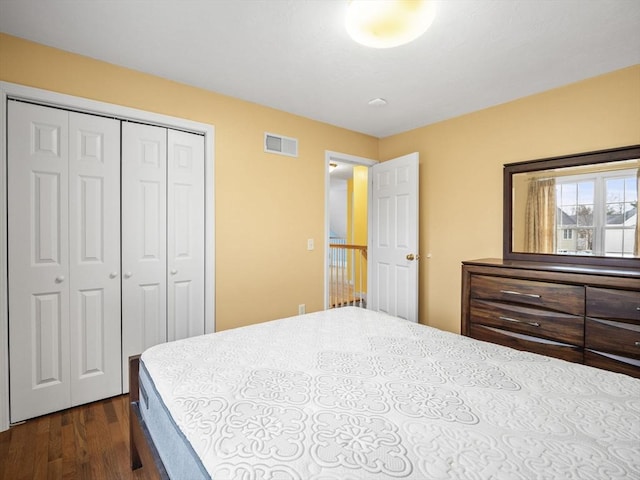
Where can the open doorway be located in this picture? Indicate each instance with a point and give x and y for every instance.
(346, 227)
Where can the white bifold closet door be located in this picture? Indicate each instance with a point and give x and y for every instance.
(144, 240)
(185, 235)
(162, 237)
(64, 258)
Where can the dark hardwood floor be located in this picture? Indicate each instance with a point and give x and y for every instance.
(86, 442)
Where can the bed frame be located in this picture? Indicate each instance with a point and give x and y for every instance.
(141, 446)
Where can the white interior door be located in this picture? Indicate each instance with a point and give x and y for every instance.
(393, 237)
(144, 239)
(185, 235)
(94, 258)
(38, 171)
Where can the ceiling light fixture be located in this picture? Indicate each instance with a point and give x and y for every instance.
(388, 23)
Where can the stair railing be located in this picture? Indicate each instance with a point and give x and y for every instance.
(347, 274)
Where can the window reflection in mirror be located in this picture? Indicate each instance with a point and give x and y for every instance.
(581, 208)
(592, 210)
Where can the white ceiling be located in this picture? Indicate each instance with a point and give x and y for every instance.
(296, 56)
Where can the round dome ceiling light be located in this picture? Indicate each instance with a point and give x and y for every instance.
(388, 23)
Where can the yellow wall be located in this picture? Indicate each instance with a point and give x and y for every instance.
(461, 170)
(267, 206)
(357, 192)
(264, 218)
(360, 200)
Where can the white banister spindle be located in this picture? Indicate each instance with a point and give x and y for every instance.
(360, 289)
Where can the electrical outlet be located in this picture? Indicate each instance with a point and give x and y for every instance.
(310, 244)
(301, 309)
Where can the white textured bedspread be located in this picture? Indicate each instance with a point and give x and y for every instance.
(353, 394)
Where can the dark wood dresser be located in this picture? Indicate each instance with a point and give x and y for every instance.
(582, 314)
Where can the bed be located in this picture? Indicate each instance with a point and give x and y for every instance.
(349, 393)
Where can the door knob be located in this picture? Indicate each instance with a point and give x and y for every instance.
(411, 256)
(113, 274)
(60, 279)
(127, 274)
(173, 272)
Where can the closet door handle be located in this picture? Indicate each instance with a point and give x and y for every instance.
(60, 279)
(113, 274)
(127, 274)
(174, 271)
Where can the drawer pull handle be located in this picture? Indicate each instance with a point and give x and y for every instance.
(515, 320)
(512, 292)
(637, 344)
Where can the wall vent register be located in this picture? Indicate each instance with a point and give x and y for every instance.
(281, 145)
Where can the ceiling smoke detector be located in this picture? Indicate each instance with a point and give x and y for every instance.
(377, 102)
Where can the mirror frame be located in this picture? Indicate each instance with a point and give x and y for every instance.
(601, 156)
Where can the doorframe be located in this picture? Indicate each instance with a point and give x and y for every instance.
(52, 99)
(330, 156)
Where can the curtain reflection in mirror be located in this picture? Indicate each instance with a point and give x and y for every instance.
(540, 224)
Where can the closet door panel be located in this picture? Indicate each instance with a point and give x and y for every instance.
(185, 237)
(152, 315)
(144, 227)
(38, 268)
(94, 226)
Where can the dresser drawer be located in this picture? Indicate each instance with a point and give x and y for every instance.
(628, 366)
(518, 341)
(558, 297)
(616, 337)
(561, 327)
(613, 304)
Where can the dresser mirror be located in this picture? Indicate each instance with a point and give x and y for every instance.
(579, 209)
